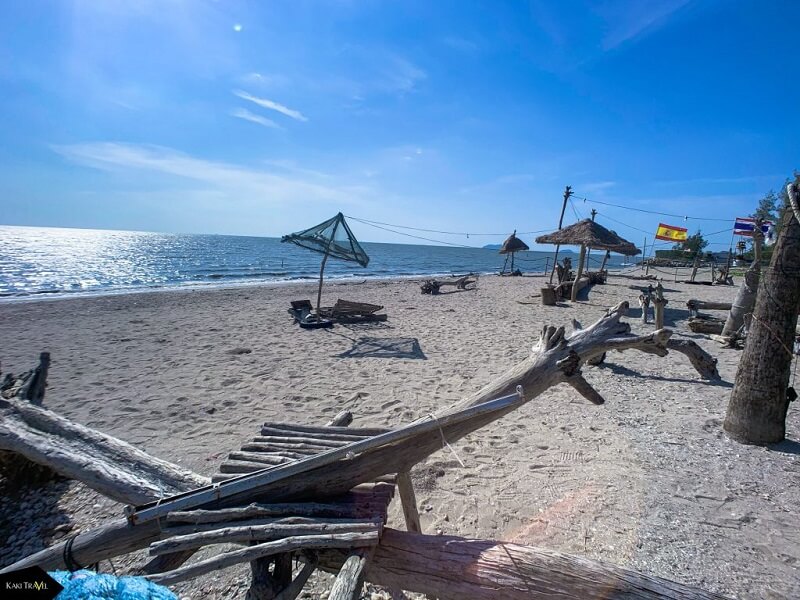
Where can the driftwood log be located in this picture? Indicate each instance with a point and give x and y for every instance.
(455, 568)
(695, 305)
(556, 358)
(114, 468)
(706, 324)
(26, 387)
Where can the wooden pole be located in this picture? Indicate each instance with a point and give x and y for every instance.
(694, 267)
(319, 291)
(409, 502)
(605, 259)
(581, 260)
(659, 302)
(567, 193)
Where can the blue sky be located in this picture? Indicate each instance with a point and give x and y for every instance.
(262, 118)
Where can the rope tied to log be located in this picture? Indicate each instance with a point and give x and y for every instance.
(445, 443)
(69, 558)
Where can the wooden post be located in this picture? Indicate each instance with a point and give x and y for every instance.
(605, 259)
(644, 302)
(567, 194)
(694, 267)
(579, 273)
(321, 272)
(409, 502)
(546, 264)
(659, 302)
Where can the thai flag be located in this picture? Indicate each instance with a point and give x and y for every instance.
(746, 225)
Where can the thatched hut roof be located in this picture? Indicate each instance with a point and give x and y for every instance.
(513, 244)
(590, 234)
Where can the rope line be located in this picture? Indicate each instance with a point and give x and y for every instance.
(464, 233)
(651, 212)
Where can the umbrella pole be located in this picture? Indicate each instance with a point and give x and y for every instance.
(512, 263)
(582, 258)
(319, 291)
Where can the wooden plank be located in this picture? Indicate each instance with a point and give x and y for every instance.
(322, 429)
(408, 500)
(290, 443)
(233, 533)
(250, 485)
(299, 509)
(251, 553)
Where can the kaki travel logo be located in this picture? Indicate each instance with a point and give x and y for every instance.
(33, 582)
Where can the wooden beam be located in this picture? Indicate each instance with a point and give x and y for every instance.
(408, 500)
(251, 553)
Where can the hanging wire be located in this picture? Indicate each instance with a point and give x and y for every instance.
(464, 233)
(574, 210)
(652, 212)
(417, 237)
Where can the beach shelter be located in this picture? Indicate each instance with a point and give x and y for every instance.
(588, 234)
(330, 238)
(511, 246)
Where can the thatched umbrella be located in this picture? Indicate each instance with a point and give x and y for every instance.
(512, 245)
(588, 234)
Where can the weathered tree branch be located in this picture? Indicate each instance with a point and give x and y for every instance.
(112, 467)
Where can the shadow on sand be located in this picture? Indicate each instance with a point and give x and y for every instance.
(399, 347)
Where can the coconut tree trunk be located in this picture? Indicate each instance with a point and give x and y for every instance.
(746, 296)
(757, 408)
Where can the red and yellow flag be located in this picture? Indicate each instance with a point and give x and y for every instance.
(670, 233)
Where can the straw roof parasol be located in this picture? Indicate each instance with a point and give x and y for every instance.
(592, 235)
(513, 244)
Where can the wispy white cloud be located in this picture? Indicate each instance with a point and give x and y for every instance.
(271, 105)
(243, 113)
(721, 180)
(264, 80)
(595, 187)
(236, 183)
(631, 21)
(401, 76)
(459, 43)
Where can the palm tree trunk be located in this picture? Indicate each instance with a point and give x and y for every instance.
(757, 408)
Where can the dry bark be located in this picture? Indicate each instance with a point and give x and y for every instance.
(758, 404)
(114, 468)
(454, 568)
(746, 296)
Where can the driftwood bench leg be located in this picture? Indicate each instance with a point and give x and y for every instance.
(409, 502)
(350, 579)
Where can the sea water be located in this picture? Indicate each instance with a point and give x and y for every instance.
(36, 261)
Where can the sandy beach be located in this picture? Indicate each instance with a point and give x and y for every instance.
(647, 481)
